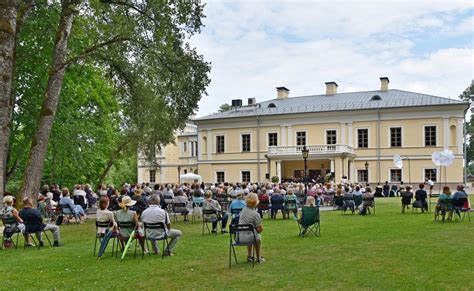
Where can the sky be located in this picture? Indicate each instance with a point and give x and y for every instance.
(255, 46)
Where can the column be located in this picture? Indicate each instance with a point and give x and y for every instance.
(209, 144)
(331, 165)
(343, 134)
(460, 135)
(278, 169)
(338, 169)
(445, 133)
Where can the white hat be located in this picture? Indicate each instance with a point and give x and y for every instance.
(127, 201)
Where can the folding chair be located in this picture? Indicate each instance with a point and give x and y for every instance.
(128, 226)
(235, 230)
(462, 205)
(348, 203)
(38, 237)
(264, 206)
(99, 235)
(446, 206)
(357, 201)
(369, 202)
(6, 223)
(209, 216)
(338, 202)
(197, 207)
(223, 202)
(67, 213)
(290, 205)
(235, 213)
(310, 222)
(160, 228)
(277, 205)
(406, 202)
(178, 208)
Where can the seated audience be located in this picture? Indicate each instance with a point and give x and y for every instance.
(307, 209)
(291, 203)
(211, 204)
(420, 198)
(34, 223)
(141, 202)
(103, 214)
(125, 214)
(11, 218)
(445, 204)
(77, 210)
(154, 214)
(407, 196)
(248, 215)
(180, 197)
(236, 206)
(459, 199)
(278, 203)
(264, 204)
(348, 200)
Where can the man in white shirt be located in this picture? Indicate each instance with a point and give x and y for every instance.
(154, 214)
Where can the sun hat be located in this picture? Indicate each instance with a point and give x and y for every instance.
(127, 201)
(8, 199)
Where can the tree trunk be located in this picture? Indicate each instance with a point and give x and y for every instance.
(39, 145)
(111, 162)
(8, 21)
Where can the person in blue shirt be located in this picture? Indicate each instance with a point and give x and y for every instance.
(77, 210)
(236, 206)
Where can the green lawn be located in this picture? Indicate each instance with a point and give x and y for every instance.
(386, 251)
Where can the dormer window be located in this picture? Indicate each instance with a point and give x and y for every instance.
(376, 98)
(272, 105)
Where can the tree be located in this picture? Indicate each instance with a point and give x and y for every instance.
(225, 107)
(141, 47)
(466, 96)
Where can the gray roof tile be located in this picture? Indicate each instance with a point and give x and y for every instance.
(392, 98)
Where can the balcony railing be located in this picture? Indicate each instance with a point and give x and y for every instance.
(313, 150)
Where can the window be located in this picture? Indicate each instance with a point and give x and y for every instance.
(185, 148)
(273, 139)
(220, 177)
(430, 136)
(396, 137)
(430, 174)
(192, 148)
(246, 176)
(362, 176)
(331, 137)
(246, 142)
(195, 148)
(301, 138)
(185, 171)
(220, 142)
(152, 176)
(395, 175)
(363, 138)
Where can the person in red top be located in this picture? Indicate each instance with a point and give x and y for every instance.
(264, 201)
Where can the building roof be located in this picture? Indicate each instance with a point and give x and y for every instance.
(392, 98)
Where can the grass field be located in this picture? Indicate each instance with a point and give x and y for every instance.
(387, 251)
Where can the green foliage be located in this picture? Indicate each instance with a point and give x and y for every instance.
(225, 107)
(275, 179)
(353, 252)
(465, 95)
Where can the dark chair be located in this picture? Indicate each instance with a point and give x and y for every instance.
(263, 206)
(291, 206)
(37, 243)
(14, 232)
(338, 202)
(235, 213)
(406, 201)
(80, 200)
(234, 231)
(277, 204)
(67, 213)
(123, 239)
(100, 236)
(310, 222)
(223, 202)
(357, 201)
(461, 205)
(179, 208)
(348, 203)
(209, 216)
(160, 227)
(369, 202)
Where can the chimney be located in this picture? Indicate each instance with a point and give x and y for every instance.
(252, 101)
(282, 92)
(384, 83)
(331, 88)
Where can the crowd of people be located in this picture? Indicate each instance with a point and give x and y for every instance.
(241, 203)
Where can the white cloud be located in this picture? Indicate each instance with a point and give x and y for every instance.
(255, 46)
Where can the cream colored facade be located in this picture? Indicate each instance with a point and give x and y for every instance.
(439, 118)
(174, 159)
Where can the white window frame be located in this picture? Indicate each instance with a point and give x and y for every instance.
(242, 141)
(389, 140)
(215, 175)
(389, 177)
(437, 134)
(268, 138)
(356, 143)
(430, 168)
(362, 169)
(245, 170)
(149, 175)
(305, 135)
(326, 135)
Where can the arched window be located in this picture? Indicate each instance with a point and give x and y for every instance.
(272, 105)
(376, 98)
(452, 131)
